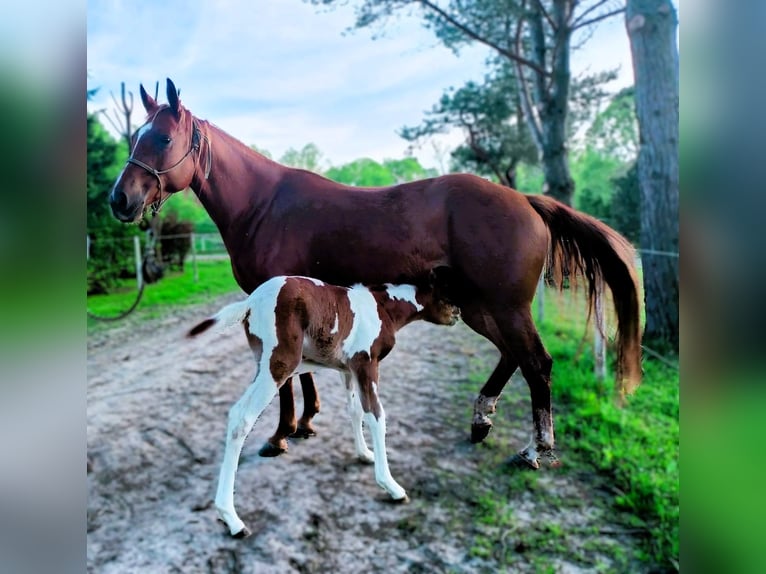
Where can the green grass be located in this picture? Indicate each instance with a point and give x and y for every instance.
(174, 289)
(632, 449)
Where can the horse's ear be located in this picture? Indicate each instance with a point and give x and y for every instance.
(150, 104)
(173, 100)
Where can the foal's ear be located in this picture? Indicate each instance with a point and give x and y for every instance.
(150, 104)
(175, 103)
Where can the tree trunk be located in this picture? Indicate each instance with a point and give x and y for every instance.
(651, 26)
(551, 100)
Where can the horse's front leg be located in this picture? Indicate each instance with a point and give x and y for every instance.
(242, 417)
(277, 443)
(310, 407)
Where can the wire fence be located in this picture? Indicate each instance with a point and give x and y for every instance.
(207, 246)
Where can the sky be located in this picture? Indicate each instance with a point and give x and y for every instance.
(281, 74)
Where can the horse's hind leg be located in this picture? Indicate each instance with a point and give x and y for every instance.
(277, 443)
(310, 407)
(484, 405)
(480, 321)
(525, 344)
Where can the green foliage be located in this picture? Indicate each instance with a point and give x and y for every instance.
(407, 169)
(309, 157)
(111, 253)
(187, 207)
(614, 132)
(635, 446)
(529, 178)
(489, 115)
(174, 289)
(366, 172)
(593, 174)
(626, 205)
(263, 151)
(587, 93)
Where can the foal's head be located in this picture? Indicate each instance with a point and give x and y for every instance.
(436, 298)
(162, 161)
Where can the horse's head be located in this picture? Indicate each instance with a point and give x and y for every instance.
(162, 159)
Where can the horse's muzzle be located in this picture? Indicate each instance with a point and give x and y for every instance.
(122, 209)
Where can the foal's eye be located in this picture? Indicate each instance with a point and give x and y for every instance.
(165, 140)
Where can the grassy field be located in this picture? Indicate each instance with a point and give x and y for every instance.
(632, 451)
(175, 288)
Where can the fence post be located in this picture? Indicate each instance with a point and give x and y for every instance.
(137, 251)
(194, 257)
(599, 344)
(540, 297)
(87, 247)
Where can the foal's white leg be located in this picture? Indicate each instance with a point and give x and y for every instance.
(242, 417)
(354, 407)
(377, 428)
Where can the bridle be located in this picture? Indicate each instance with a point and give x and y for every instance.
(196, 138)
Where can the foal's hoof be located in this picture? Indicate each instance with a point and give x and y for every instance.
(479, 432)
(303, 432)
(244, 533)
(268, 450)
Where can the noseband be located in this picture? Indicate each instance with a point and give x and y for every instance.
(197, 136)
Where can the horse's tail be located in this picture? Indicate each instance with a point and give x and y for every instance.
(583, 246)
(229, 315)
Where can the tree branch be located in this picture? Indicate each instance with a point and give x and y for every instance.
(545, 13)
(593, 8)
(475, 36)
(599, 18)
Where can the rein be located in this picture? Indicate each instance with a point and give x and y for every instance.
(197, 135)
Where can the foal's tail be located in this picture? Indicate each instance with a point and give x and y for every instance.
(583, 246)
(229, 315)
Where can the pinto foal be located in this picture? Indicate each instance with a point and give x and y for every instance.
(296, 324)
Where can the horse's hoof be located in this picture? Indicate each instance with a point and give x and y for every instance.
(244, 533)
(519, 460)
(479, 432)
(303, 432)
(268, 450)
(404, 500)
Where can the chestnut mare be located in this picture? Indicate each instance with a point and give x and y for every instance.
(494, 241)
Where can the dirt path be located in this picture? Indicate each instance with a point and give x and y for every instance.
(157, 409)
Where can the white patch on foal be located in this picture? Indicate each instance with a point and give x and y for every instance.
(263, 317)
(377, 428)
(335, 326)
(404, 293)
(316, 282)
(366, 325)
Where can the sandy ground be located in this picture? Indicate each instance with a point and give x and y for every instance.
(157, 411)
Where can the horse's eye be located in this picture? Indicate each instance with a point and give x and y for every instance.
(165, 140)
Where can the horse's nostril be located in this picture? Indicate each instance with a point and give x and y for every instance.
(118, 200)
